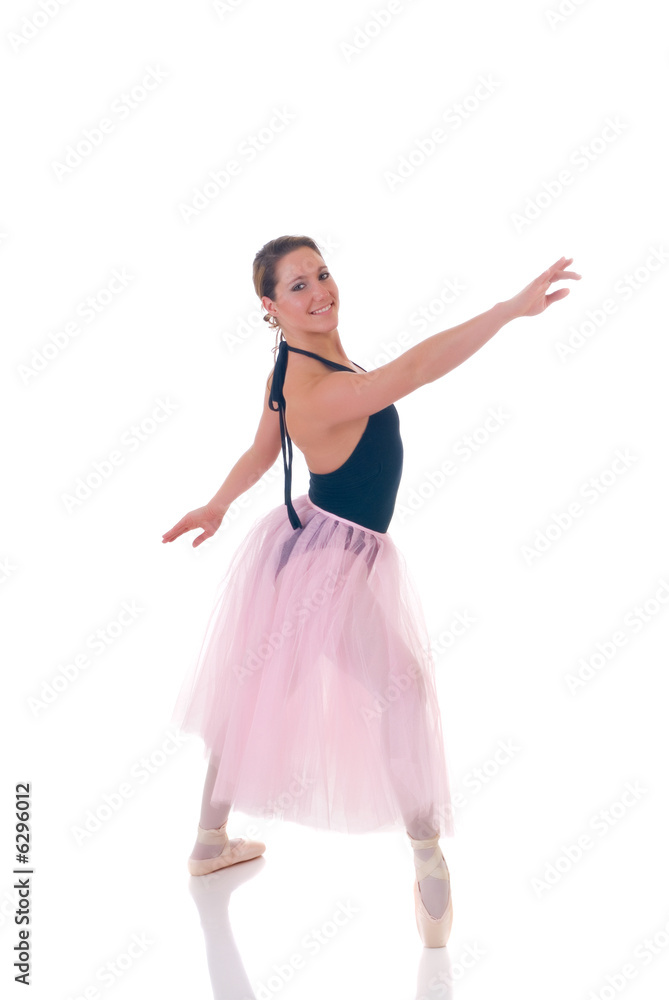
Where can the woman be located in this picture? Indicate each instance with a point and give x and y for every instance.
(314, 691)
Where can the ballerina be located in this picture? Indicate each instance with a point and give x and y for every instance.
(314, 691)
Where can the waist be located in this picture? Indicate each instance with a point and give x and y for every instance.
(345, 520)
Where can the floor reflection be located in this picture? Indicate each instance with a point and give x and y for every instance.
(435, 979)
(229, 980)
(212, 898)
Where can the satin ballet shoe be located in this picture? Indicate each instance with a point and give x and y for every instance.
(242, 851)
(434, 931)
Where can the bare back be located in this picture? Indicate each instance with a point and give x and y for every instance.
(325, 445)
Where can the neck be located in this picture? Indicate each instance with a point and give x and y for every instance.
(328, 345)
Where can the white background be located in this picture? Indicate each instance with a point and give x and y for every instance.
(186, 329)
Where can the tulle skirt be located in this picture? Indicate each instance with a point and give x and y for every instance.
(314, 688)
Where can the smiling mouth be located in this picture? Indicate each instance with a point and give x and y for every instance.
(325, 309)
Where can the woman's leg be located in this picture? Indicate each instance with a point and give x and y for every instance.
(421, 823)
(434, 891)
(212, 814)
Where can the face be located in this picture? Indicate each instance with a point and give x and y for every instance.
(304, 286)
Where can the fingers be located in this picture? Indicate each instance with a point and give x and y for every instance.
(558, 272)
(555, 296)
(173, 533)
(558, 263)
(177, 530)
(547, 275)
(560, 275)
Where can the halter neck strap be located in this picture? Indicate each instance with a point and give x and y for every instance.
(311, 354)
(276, 396)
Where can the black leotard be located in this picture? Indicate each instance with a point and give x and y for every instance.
(364, 488)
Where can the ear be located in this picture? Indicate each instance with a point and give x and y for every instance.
(267, 303)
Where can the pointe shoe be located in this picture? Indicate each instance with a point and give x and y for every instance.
(434, 931)
(243, 851)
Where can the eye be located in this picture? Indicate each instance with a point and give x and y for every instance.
(301, 283)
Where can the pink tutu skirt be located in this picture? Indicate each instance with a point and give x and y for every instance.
(314, 688)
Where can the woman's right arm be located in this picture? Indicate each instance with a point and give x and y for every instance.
(246, 471)
(340, 397)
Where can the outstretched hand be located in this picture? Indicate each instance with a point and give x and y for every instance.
(533, 299)
(204, 517)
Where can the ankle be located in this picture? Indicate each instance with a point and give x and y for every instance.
(213, 834)
(210, 841)
(212, 824)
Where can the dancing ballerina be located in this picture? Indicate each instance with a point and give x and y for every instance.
(314, 691)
